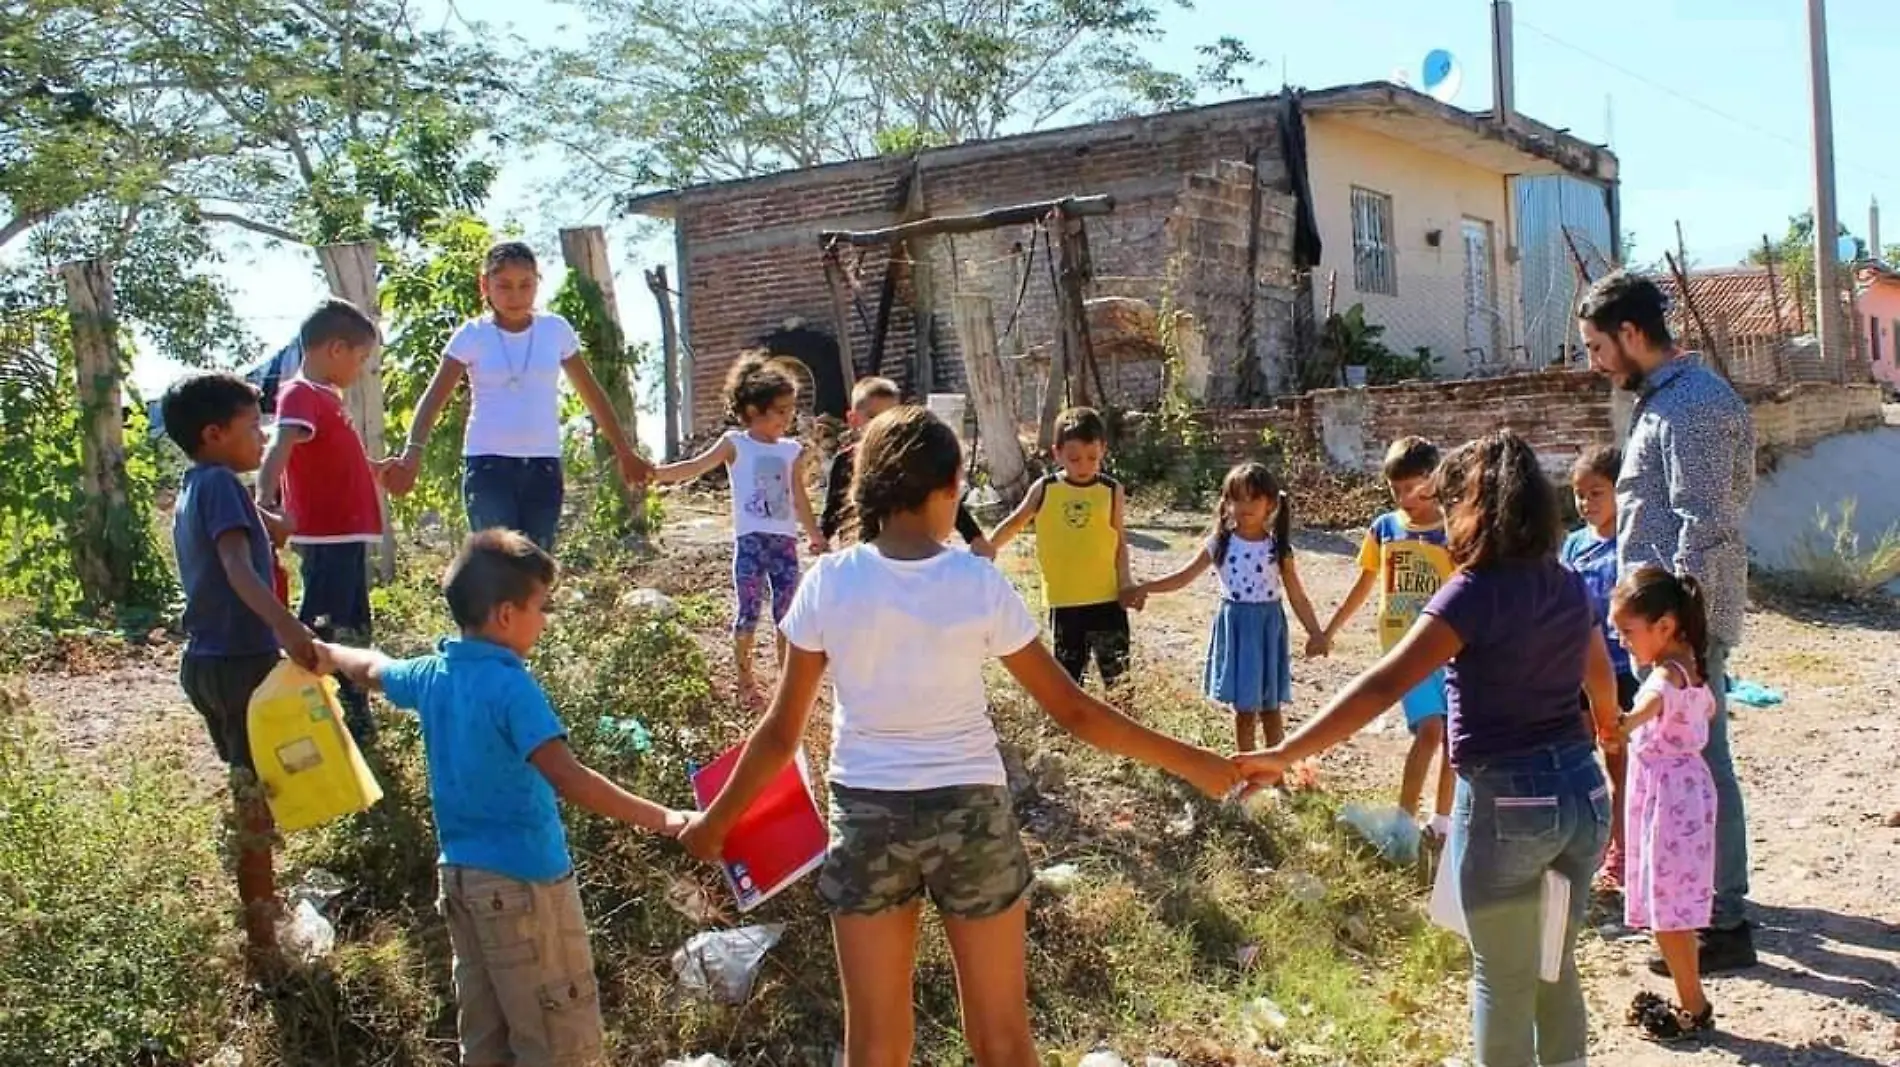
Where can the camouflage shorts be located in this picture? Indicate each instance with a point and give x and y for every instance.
(960, 844)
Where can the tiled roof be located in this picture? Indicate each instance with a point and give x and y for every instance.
(1739, 297)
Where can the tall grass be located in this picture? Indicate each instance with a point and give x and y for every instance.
(1831, 562)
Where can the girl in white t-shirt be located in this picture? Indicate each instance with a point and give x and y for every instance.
(513, 358)
(919, 803)
(770, 501)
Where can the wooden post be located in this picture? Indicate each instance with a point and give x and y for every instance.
(670, 356)
(102, 551)
(834, 275)
(1072, 276)
(350, 271)
(995, 413)
(584, 250)
(922, 294)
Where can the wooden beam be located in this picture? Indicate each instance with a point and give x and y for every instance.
(995, 409)
(916, 253)
(670, 357)
(350, 271)
(841, 319)
(584, 250)
(1073, 207)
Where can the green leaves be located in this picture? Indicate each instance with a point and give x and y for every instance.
(664, 94)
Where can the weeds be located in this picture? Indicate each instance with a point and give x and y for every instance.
(1830, 562)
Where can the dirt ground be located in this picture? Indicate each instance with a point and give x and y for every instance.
(1821, 773)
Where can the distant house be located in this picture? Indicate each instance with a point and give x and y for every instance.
(1251, 216)
(1878, 318)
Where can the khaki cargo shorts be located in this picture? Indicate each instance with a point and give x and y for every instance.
(524, 973)
(959, 844)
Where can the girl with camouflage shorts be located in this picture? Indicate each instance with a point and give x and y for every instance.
(918, 801)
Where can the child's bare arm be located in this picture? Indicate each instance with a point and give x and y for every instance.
(1648, 706)
(1024, 514)
(1182, 576)
(801, 503)
(1124, 579)
(772, 745)
(1355, 599)
(687, 469)
(1296, 596)
(1599, 685)
(587, 788)
(234, 554)
(448, 375)
(1109, 730)
(362, 666)
(270, 477)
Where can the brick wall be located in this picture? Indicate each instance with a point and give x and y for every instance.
(1804, 414)
(750, 257)
(1561, 413)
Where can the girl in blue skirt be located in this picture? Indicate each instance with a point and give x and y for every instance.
(1249, 659)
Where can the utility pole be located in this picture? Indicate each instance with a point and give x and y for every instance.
(1827, 227)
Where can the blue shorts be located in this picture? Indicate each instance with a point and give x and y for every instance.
(1425, 701)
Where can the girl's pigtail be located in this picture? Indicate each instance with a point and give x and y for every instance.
(1694, 621)
(1282, 528)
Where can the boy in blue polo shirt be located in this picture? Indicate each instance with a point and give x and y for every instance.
(498, 757)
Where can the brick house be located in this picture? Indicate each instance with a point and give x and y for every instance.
(1248, 215)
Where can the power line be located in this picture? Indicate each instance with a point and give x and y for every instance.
(1753, 127)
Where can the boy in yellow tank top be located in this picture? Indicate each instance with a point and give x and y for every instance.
(1080, 549)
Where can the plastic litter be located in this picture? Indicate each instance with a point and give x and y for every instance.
(722, 965)
(651, 601)
(1389, 830)
(631, 732)
(1754, 694)
(1262, 1022)
(1304, 887)
(1061, 878)
(704, 1059)
(304, 932)
(1102, 1058)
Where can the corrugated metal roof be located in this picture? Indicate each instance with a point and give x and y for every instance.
(1740, 298)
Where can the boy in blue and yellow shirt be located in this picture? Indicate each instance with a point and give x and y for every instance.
(1404, 556)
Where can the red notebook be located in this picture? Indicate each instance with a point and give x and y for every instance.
(781, 838)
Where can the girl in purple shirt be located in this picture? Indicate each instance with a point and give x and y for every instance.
(1518, 639)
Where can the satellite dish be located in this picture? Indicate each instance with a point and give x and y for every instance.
(1442, 76)
(1848, 249)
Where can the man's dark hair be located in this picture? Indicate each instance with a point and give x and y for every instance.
(202, 401)
(1410, 457)
(1620, 297)
(337, 320)
(1080, 424)
(495, 567)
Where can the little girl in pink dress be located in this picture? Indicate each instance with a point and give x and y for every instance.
(1669, 812)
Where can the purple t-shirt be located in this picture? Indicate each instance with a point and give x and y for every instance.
(1526, 629)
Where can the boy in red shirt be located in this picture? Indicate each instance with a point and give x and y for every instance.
(329, 485)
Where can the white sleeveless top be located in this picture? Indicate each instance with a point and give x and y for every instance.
(761, 477)
(1248, 575)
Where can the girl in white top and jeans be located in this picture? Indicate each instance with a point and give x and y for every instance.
(770, 503)
(514, 359)
(919, 803)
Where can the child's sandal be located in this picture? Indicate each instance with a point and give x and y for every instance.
(1663, 1021)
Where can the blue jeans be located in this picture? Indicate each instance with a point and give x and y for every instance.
(515, 494)
(1731, 819)
(336, 606)
(1517, 817)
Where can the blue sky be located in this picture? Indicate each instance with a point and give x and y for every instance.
(1704, 101)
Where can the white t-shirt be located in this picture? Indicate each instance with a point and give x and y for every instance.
(514, 385)
(907, 641)
(1248, 574)
(761, 477)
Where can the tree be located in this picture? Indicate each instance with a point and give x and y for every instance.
(1793, 260)
(667, 94)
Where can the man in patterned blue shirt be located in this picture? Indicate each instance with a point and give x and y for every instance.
(1688, 471)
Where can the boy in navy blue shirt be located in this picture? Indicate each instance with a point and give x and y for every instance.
(1591, 552)
(235, 627)
(498, 757)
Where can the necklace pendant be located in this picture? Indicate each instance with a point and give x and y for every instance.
(514, 383)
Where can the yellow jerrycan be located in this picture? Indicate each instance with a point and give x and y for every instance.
(309, 764)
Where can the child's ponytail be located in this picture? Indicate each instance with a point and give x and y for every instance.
(1694, 619)
(1223, 532)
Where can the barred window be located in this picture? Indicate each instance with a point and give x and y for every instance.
(1374, 269)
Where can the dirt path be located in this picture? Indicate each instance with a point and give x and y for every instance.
(1821, 774)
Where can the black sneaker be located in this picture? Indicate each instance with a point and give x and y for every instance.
(1720, 950)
